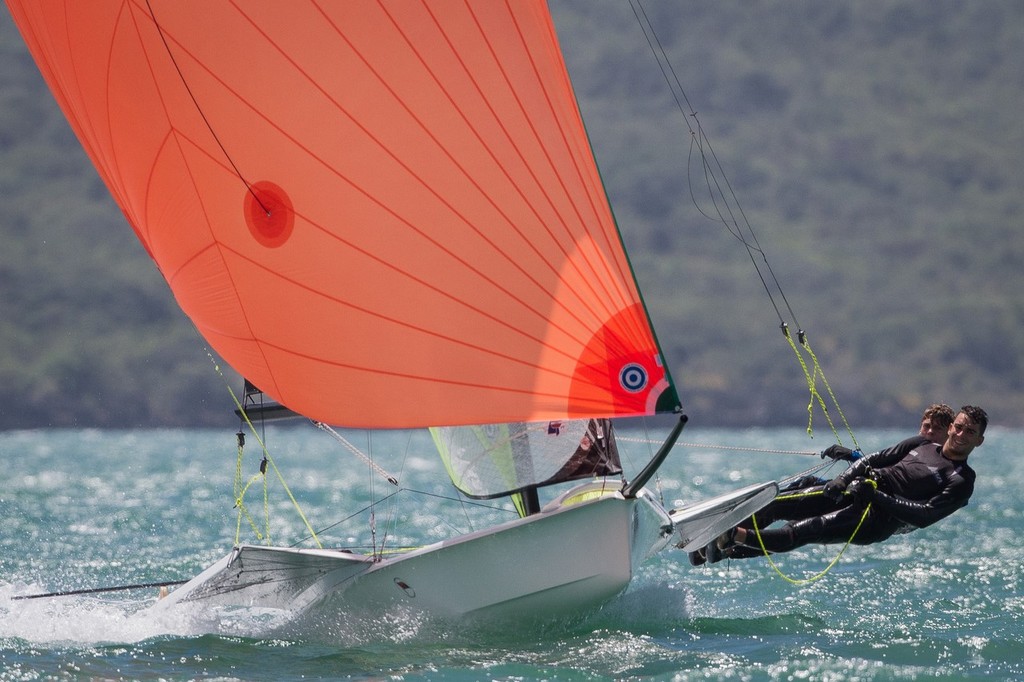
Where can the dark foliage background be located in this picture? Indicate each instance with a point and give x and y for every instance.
(874, 147)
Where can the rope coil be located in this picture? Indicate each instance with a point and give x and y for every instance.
(821, 574)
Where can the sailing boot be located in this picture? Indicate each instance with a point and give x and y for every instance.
(713, 551)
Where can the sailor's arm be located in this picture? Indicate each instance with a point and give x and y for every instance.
(862, 467)
(921, 514)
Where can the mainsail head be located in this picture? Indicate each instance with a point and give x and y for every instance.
(384, 214)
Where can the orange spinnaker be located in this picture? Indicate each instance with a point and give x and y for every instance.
(384, 214)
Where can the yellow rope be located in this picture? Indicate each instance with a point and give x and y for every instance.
(280, 476)
(835, 401)
(238, 490)
(266, 506)
(811, 376)
(821, 574)
(270, 460)
(242, 510)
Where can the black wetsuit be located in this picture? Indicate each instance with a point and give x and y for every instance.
(917, 486)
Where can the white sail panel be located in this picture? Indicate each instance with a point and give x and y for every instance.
(499, 459)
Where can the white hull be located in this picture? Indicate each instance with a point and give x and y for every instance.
(563, 559)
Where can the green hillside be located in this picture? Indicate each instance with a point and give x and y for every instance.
(874, 148)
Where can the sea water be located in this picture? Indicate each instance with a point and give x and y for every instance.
(101, 509)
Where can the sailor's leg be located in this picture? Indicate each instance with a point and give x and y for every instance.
(793, 504)
(827, 529)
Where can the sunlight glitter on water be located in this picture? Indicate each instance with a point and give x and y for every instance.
(943, 602)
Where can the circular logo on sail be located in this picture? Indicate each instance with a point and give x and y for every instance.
(633, 377)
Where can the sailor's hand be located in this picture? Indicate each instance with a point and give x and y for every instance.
(834, 489)
(838, 452)
(863, 489)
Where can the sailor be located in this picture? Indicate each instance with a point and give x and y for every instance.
(934, 426)
(910, 485)
(935, 422)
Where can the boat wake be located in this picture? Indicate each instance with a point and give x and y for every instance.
(79, 620)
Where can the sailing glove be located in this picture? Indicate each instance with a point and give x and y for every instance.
(863, 489)
(839, 452)
(834, 489)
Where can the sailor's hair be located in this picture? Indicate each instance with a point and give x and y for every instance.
(976, 415)
(940, 414)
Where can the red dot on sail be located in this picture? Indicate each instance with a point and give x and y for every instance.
(269, 214)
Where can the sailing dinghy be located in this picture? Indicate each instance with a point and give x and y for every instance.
(388, 215)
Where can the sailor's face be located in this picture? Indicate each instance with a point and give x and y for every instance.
(932, 431)
(962, 438)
